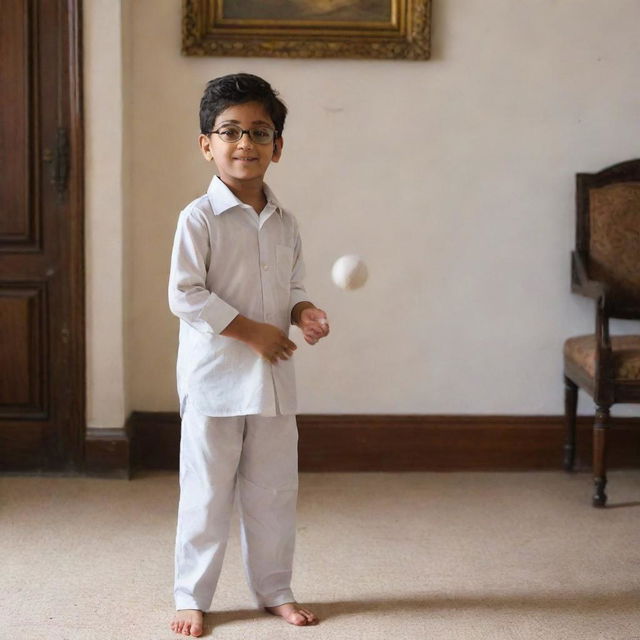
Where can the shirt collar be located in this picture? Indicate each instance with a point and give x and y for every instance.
(223, 199)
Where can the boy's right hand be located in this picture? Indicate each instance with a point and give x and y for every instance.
(271, 343)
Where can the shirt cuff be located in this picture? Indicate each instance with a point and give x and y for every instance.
(217, 313)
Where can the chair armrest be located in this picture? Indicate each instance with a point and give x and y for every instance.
(580, 282)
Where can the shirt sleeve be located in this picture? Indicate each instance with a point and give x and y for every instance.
(189, 298)
(298, 292)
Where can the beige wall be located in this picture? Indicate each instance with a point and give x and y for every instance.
(453, 178)
(105, 256)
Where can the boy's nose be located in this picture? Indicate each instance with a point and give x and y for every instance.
(245, 140)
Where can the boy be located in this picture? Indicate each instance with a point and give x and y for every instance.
(236, 285)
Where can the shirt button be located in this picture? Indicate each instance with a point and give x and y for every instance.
(265, 267)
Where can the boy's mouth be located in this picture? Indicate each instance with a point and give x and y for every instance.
(245, 159)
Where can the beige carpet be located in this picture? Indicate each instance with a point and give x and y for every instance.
(380, 556)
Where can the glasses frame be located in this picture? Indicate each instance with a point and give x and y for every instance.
(242, 132)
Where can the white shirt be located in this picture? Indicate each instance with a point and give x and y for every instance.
(226, 261)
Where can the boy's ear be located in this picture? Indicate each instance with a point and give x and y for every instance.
(205, 146)
(278, 143)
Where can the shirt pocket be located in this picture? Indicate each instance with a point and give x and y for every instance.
(284, 265)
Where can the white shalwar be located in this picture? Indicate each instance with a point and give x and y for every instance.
(239, 433)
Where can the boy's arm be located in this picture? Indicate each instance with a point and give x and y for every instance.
(311, 320)
(189, 298)
(298, 297)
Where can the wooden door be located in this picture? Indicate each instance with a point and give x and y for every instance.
(42, 385)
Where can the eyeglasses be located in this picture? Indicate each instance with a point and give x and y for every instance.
(259, 135)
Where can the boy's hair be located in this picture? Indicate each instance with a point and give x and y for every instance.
(238, 88)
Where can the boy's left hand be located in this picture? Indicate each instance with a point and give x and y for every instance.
(314, 324)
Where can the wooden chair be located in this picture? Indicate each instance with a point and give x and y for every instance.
(605, 266)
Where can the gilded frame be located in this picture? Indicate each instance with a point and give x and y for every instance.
(403, 33)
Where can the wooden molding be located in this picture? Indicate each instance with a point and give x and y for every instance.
(155, 440)
(108, 452)
(412, 443)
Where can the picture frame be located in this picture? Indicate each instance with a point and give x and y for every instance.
(383, 29)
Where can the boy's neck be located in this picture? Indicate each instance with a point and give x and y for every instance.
(249, 193)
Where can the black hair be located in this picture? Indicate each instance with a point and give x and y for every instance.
(238, 88)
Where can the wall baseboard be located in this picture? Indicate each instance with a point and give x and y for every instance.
(412, 443)
(107, 452)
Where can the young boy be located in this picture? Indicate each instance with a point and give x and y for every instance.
(236, 285)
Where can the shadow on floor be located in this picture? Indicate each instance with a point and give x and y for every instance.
(621, 505)
(623, 601)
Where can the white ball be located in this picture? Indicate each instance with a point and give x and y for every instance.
(349, 272)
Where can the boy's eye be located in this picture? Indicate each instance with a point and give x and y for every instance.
(261, 135)
(231, 133)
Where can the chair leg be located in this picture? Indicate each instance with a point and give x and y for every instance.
(600, 427)
(570, 404)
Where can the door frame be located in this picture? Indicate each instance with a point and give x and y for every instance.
(71, 79)
(72, 52)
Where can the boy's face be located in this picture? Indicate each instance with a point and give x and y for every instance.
(241, 163)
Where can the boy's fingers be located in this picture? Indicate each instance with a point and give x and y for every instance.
(284, 351)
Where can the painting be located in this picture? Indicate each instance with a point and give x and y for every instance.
(397, 29)
(307, 10)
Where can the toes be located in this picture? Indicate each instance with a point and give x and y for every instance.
(298, 618)
(294, 614)
(309, 615)
(196, 629)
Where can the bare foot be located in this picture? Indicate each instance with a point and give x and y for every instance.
(293, 613)
(188, 622)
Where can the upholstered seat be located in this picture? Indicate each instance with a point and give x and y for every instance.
(581, 350)
(605, 266)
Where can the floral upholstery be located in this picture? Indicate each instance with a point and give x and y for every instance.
(626, 355)
(614, 222)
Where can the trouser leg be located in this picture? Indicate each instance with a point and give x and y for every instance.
(210, 451)
(268, 491)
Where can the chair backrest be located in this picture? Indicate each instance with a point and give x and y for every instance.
(608, 232)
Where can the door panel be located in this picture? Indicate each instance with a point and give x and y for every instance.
(41, 237)
(15, 51)
(22, 344)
